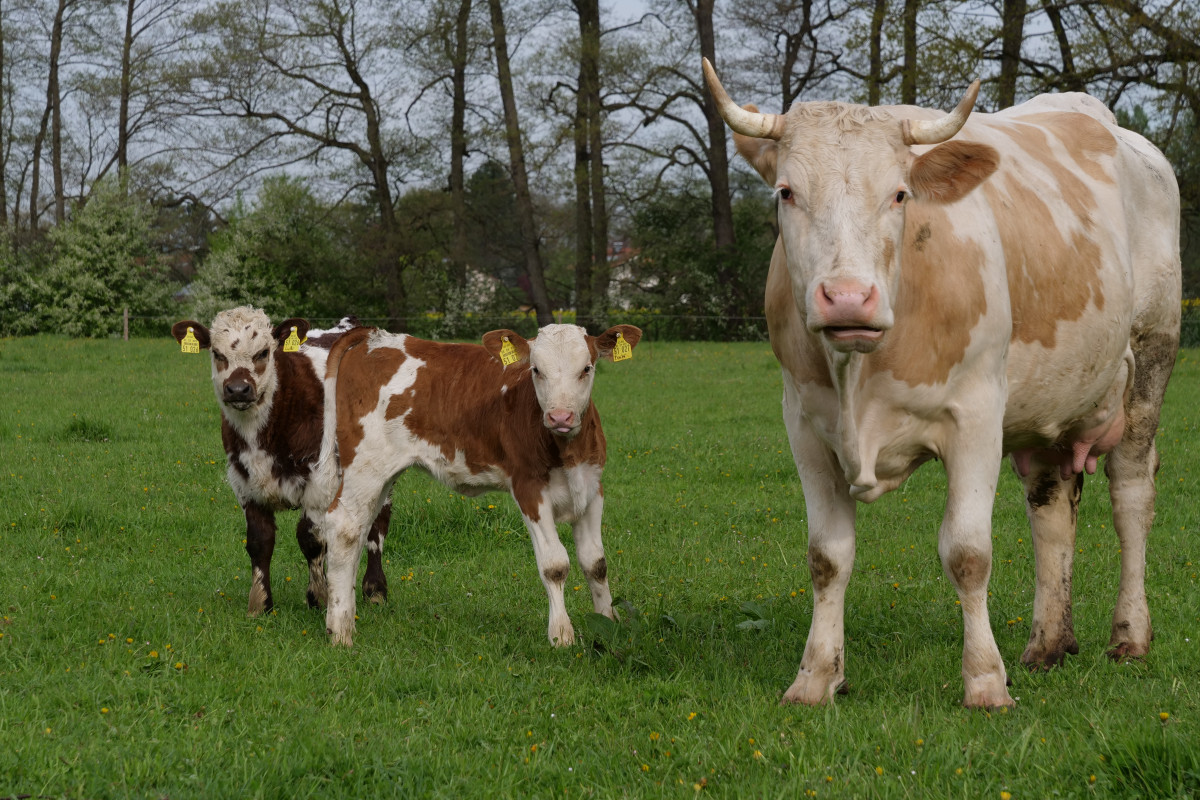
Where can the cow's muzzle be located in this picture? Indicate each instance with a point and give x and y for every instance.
(847, 313)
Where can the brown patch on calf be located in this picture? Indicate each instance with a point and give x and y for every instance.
(599, 571)
(939, 301)
(1050, 278)
(556, 574)
(360, 375)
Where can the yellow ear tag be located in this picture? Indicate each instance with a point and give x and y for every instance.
(508, 353)
(292, 343)
(189, 343)
(621, 350)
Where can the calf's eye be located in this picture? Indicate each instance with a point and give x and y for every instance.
(260, 356)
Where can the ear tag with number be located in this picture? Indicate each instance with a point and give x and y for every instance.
(189, 343)
(292, 343)
(508, 353)
(621, 350)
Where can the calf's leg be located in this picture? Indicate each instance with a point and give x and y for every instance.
(358, 501)
(260, 545)
(375, 587)
(314, 553)
(552, 563)
(590, 551)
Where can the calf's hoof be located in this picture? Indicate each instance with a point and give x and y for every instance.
(562, 635)
(375, 592)
(988, 691)
(1041, 656)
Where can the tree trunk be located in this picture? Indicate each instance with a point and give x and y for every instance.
(4, 68)
(1012, 33)
(1070, 80)
(583, 206)
(458, 149)
(875, 78)
(718, 154)
(516, 151)
(52, 101)
(908, 80)
(126, 84)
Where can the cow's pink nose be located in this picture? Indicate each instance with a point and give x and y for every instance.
(560, 418)
(845, 302)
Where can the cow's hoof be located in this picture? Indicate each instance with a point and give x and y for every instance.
(1128, 651)
(343, 639)
(1040, 657)
(988, 691)
(564, 636)
(810, 689)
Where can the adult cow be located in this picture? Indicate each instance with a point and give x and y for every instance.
(1014, 290)
(272, 412)
(512, 415)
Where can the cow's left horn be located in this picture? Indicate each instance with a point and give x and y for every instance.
(939, 130)
(747, 123)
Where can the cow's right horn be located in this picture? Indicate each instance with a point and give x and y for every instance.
(747, 123)
(939, 130)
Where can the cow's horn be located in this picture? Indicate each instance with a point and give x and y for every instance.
(939, 130)
(747, 123)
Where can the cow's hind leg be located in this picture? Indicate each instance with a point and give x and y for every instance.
(1051, 504)
(260, 545)
(375, 586)
(590, 551)
(1130, 468)
(313, 549)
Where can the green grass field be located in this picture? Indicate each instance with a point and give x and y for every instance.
(128, 667)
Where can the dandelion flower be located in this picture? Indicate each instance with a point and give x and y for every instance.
(1164, 716)
(879, 770)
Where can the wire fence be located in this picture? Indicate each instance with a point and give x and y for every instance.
(655, 326)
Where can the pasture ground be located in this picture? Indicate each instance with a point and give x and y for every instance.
(128, 667)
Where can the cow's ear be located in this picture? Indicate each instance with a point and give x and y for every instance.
(950, 171)
(180, 330)
(284, 329)
(607, 341)
(507, 347)
(761, 153)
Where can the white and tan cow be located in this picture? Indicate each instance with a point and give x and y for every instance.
(962, 287)
(272, 413)
(512, 415)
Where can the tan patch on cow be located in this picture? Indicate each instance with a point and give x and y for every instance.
(1034, 143)
(1083, 137)
(790, 339)
(939, 301)
(1050, 278)
(361, 374)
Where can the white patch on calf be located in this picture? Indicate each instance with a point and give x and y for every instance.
(563, 372)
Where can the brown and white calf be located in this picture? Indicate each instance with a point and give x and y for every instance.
(455, 411)
(964, 286)
(272, 413)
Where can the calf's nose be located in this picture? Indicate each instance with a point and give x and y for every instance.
(239, 392)
(560, 418)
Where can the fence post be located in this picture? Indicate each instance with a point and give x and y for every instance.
(125, 323)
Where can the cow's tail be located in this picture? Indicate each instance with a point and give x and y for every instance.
(327, 464)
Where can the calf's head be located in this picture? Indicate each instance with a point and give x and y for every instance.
(244, 346)
(562, 366)
(843, 176)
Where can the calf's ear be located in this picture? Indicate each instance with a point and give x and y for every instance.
(180, 330)
(284, 329)
(507, 347)
(950, 171)
(606, 341)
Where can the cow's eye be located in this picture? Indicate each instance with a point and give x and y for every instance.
(261, 355)
(536, 373)
(785, 194)
(900, 195)
(587, 370)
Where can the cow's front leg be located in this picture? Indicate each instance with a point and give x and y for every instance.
(1051, 503)
(552, 563)
(831, 514)
(965, 546)
(375, 587)
(313, 548)
(260, 545)
(589, 549)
